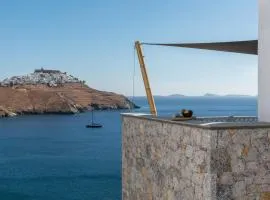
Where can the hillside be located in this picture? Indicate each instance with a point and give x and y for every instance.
(49, 91)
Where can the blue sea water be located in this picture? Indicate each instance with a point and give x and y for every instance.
(53, 157)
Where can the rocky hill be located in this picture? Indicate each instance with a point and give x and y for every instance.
(51, 91)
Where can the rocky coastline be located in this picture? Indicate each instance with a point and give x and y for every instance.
(54, 92)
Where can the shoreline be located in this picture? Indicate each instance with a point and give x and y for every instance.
(19, 114)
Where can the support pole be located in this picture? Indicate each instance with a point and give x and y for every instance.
(148, 91)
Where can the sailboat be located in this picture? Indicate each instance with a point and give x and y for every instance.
(92, 124)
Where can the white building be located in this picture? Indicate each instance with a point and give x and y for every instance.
(264, 61)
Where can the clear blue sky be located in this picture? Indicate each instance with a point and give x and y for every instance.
(93, 40)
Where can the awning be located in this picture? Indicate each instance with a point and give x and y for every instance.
(245, 47)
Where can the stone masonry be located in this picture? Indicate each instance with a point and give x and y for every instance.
(164, 160)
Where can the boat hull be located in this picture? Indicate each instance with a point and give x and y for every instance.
(93, 126)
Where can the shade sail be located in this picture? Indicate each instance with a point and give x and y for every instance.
(245, 47)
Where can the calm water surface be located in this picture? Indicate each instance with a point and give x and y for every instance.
(55, 157)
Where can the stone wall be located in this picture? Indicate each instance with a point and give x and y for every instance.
(166, 160)
(241, 161)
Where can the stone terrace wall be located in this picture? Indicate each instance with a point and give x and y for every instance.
(241, 161)
(164, 160)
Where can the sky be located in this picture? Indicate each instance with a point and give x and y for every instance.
(94, 41)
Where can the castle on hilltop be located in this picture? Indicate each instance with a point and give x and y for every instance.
(49, 71)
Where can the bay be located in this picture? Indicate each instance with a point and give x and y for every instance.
(55, 157)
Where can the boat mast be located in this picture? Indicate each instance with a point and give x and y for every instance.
(92, 115)
(148, 91)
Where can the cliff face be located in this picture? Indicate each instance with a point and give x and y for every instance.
(41, 93)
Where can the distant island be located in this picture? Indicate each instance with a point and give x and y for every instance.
(54, 92)
(171, 95)
(205, 95)
(176, 95)
(210, 95)
(227, 95)
(238, 95)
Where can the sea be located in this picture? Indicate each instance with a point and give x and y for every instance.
(54, 157)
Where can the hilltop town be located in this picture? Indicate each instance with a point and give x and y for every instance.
(51, 78)
(54, 92)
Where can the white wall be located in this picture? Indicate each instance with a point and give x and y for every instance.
(264, 61)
